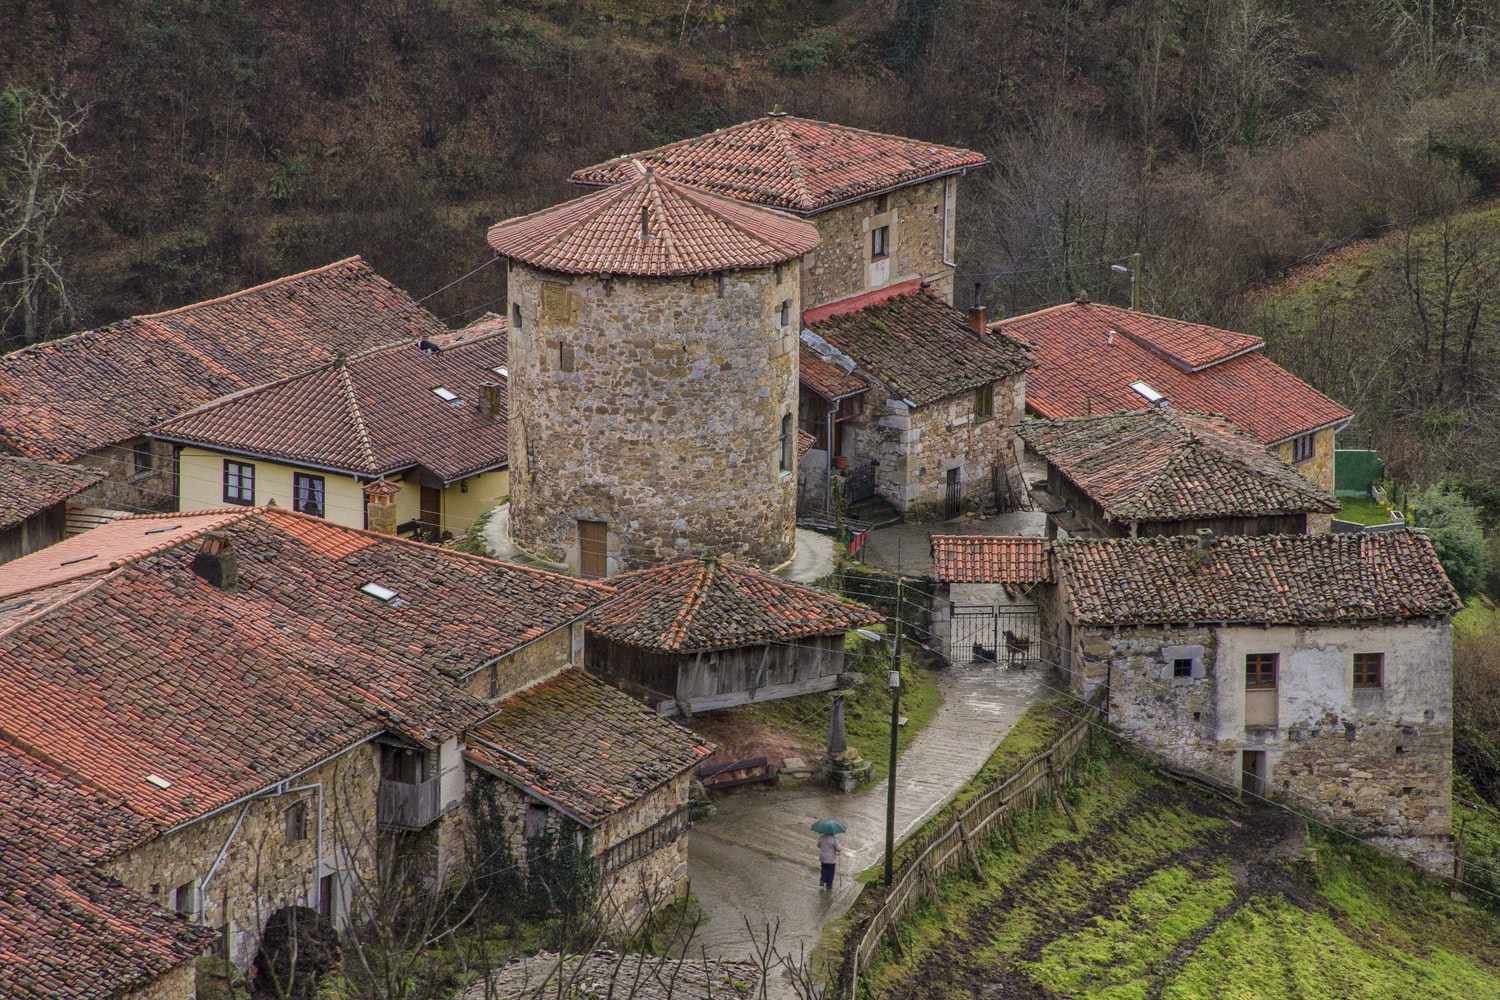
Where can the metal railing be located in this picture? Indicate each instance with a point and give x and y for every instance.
(656, 836)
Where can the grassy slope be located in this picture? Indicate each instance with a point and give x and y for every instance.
(1170, 894)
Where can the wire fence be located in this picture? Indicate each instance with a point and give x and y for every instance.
(1040, 779)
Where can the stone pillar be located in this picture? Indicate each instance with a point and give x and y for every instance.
(380, 506)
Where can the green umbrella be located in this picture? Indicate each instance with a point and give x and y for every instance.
(829, 826)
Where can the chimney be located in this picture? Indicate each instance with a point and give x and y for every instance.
(977, 319)
(1205, 539)
(380, 505)
(489, 400)
(216, 561)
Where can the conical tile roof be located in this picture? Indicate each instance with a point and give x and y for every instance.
(652, 227)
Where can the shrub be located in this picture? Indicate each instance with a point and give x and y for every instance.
(1452, 523)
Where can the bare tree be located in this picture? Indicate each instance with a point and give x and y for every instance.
(42, 178)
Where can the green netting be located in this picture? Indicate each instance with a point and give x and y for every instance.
(1354, 470)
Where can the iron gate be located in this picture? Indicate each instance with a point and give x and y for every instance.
(984, 635)
(860, 484)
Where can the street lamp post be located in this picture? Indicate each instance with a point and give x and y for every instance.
(890, 781)
(1134, 270)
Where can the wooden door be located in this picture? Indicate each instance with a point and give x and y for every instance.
(593, 548)
(432, 510)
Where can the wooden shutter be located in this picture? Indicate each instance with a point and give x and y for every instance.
(593, 548)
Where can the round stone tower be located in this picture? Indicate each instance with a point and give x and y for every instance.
(653, 377)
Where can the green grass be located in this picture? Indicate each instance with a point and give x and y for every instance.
(1480, 615)
(867, 711)
(1362, 510)
(1151, 900)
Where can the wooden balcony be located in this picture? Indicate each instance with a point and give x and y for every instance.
(408, 806)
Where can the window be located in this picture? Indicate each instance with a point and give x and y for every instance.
(239, 482)
(788, 444)
(1182, 667)
(307, 494)
(882, 204)
(296, 822)
(880, 243)
(327, 889)
(786, 312)
(1302, 448)
(1260, 671)
(1369, 670)
(564, 357)
(536, 820)
(984, 401)
(185, 898)
(144, 460)
(402, 764)
(515, 315)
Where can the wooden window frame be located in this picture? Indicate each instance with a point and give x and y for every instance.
(296, 822)
(300, 478)
(143, 460)
(1257, 667)
(244, 482)
(1304, 448)
(1369, 671)
(984, 402)
(880, 242)
(1182, 667)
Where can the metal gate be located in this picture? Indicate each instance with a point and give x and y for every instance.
(953, 495)
(860, 484)
(986, 635)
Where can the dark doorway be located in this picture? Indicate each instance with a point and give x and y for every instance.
(953, 500)
(1253, 773)
(593, 548)
(432, 511)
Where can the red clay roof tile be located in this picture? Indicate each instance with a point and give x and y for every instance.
(652, 227)
(1164, 464)
(1079, 371)
(826, 379)
(796, 164)
(712, 603)
(63, 398)
(1267, 580)
(579, 744)
(372, 414)
(1021, 561)
(28, 488)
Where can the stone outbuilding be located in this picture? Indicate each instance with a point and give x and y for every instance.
(427, 416)
(885, 205)
(710, 633)
(1310, 669)
(1096, 359)
(34, 502)
(934, 431)
(574, 749)
(1164, 471)
(653, 377)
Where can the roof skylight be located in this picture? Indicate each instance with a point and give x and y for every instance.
(446, 395)
(502, 371)
(385, 594)
(1151, 395)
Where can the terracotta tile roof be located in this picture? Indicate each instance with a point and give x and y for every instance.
(63, 398)
(106, 547)
(712, 603)
(1164, 464)
(686, 231)
(921, 347)
(68, 930)
(153, 670)
(28, 488)
(373, 414)
(805, 442)
(792, 163)
(1079, 371)
(1267, 580)
(991, 559)
(582, 746)
(826, 379)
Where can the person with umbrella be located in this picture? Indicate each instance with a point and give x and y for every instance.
(828, 849)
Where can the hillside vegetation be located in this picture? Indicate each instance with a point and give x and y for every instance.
(1168, 893)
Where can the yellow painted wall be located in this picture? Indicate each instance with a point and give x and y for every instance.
(202, 487)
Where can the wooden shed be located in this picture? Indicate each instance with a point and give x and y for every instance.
(711, 633)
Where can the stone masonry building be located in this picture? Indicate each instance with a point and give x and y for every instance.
(653, 377)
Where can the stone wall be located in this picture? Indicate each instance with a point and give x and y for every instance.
(1317, 470)
(920, 221)
(1376, 760)
(179, 984)
(531, 664)
(150, 487)
(262, 871)
(914, 449)
(655, 406)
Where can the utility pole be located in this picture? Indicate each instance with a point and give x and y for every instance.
(890, 785)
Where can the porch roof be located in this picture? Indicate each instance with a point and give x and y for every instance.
(1021, 561)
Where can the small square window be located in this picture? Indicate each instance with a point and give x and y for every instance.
(880, 245)
(307, 494)
(1260, 671)
(1369, 670)
(143, 459)
(1303, 448)
(515, 315)
(882, 204)
(1182, 667)
(185, 898)
(296, 822)
(984, 402)
(536, 821)
(239, 482)
(786, 312)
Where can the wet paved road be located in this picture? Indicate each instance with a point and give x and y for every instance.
(757, 859)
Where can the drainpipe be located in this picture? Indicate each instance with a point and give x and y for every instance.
(280, 790)
(828, 461)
